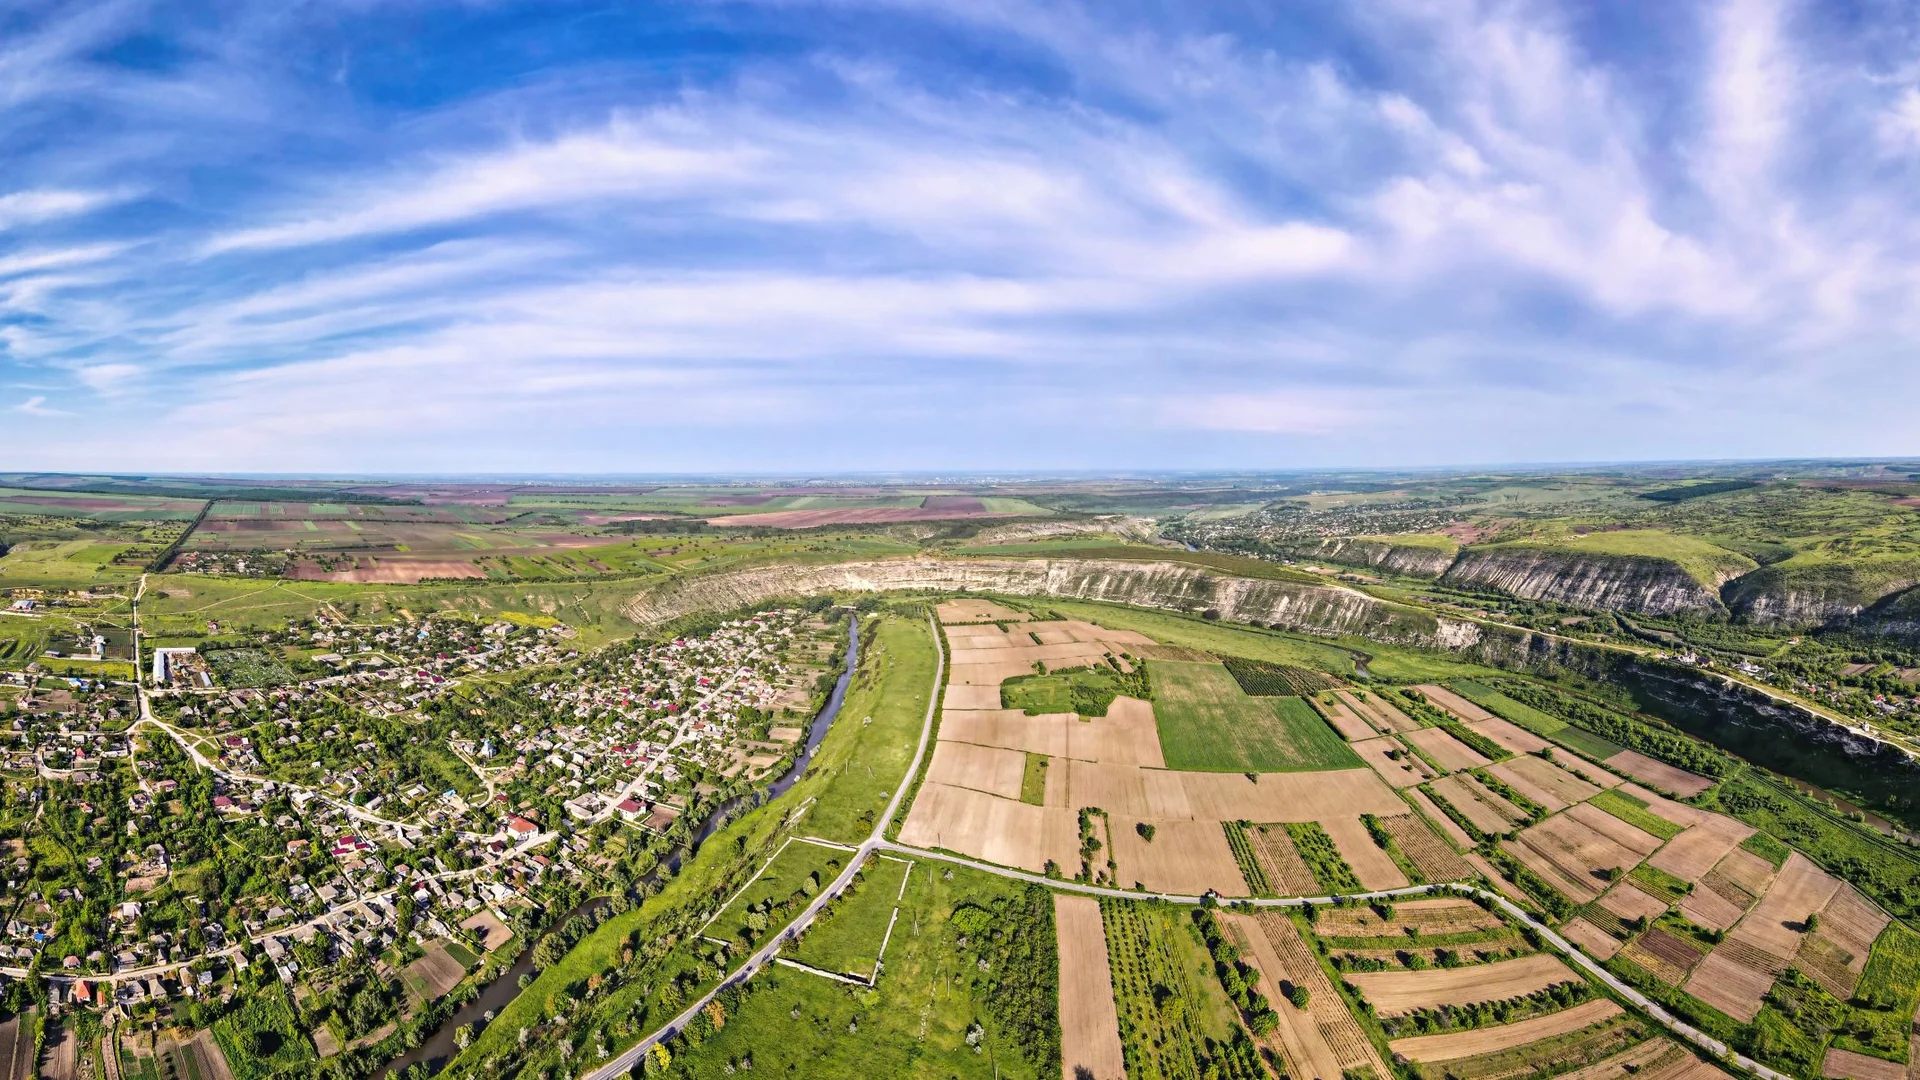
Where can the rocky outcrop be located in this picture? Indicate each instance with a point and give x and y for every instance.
(1894, 616)
(1824, 593)
(1583, 579)
(1406, 559)
(1172, 586)
(1122, 525)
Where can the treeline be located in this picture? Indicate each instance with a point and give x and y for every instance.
(1236, 976)
(1673, 748)
(1432, 1020)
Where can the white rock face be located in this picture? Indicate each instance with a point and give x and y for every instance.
(1579, 579)
(1322, 609)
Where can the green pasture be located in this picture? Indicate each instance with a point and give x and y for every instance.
(1208, 724)
(846, 938)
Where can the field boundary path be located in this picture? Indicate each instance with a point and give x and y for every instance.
(622, 1064)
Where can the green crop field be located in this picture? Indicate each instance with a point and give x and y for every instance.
(1208, 724)
(1505, 707)
(1175, 1020)
(1317, 849)
(1634, 812)
(847, 937)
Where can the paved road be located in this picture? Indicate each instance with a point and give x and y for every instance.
(621, 1065)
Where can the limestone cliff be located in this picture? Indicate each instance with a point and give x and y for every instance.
(1811, 593)
(1583, 579)
(1172, 586)
(1406, 559)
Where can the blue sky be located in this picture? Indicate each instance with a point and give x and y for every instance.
(894, 234)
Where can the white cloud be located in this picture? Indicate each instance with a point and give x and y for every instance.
(37, 406)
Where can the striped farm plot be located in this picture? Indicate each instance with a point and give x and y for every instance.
(1297, 965)
(1378, 712)
(1460, 707)
(1486, 811)
(1435, 859)
(1544, 782)
(1577, 857)
(1460, 1044)
(1430, 916)
(1395, 993)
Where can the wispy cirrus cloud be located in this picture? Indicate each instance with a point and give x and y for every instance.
(994, 233)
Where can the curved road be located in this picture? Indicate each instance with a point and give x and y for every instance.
(621, 1065)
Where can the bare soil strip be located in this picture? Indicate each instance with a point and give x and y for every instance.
(1438, 819)
(1658, 774)
(1344, 720)
(1694, 852)
(1777, 923)
(1512, 736)
(1846, 1063)
(1454, 703)
(1591, 938)
(1185, 857)
(990, 769)
(1395, 992)
(1089, 1023)
(1401, 770)
(1730, 986)
(1459, 1044)
(1374, 867)
(1448, 752)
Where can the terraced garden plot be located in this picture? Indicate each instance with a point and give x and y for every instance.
(1586, 743)
(1500, 803)
(1649, 1057)
(1395, 993)
(1461, 1044)
(1429, 915)
(1432, 855)
(1849, 924)
(1392, 761)
(1622, 832)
